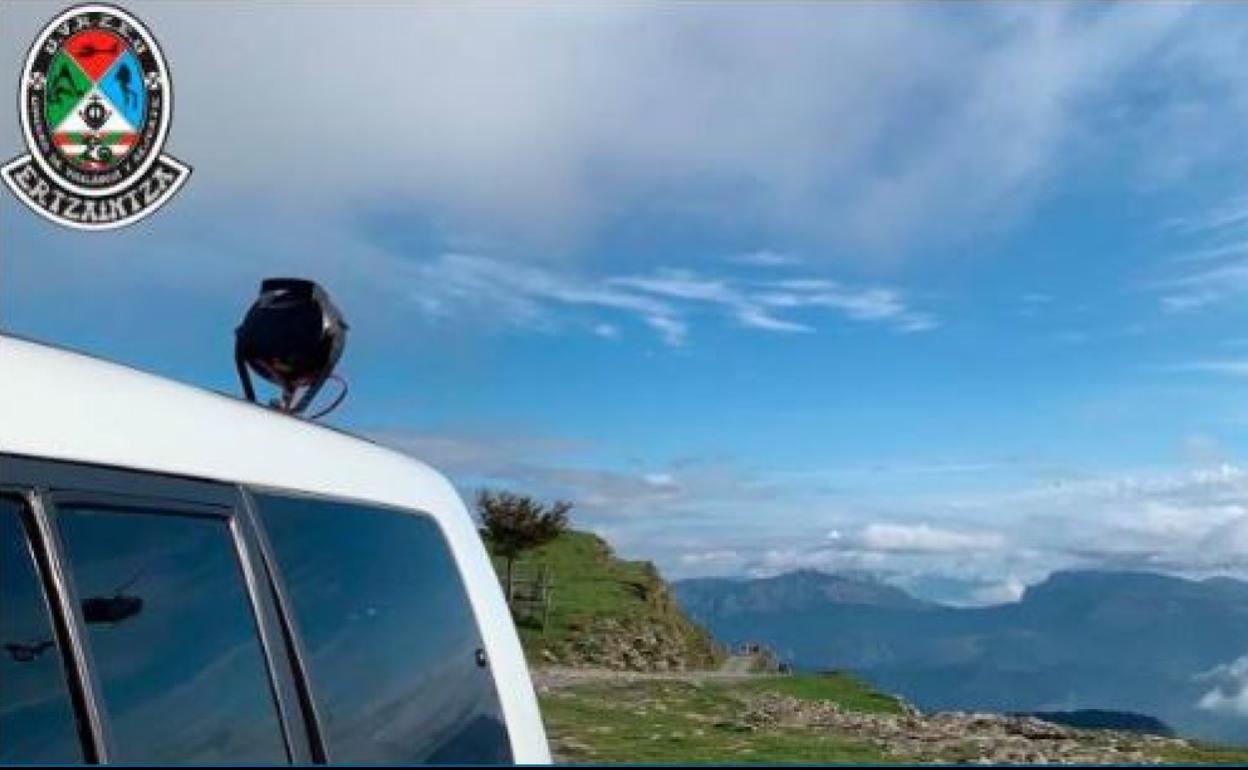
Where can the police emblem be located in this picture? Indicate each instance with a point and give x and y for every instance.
(95, 102)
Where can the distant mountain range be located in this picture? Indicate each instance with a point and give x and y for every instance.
(1081, 640)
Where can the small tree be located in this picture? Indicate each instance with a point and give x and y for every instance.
(516, 523)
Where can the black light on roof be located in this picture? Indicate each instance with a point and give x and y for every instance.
(293, 337)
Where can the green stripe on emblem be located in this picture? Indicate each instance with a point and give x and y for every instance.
(66, 85)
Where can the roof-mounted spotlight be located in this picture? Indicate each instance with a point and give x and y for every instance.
(293, 337)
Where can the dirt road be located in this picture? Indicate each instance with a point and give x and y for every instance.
(555, 677)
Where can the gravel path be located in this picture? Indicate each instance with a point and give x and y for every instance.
(555, 677)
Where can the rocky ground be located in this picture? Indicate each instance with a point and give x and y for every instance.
(961, 737)
(730, 716)
(651, 644)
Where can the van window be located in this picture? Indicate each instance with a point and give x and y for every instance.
(37, 723)
(171, 630)
(391, 639)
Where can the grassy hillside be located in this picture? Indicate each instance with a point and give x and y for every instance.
(678, 722)
(611, 613)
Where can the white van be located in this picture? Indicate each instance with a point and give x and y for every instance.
(189, 578)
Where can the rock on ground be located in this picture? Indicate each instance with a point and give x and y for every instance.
(958, 736)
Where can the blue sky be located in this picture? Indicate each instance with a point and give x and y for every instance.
(950, 293)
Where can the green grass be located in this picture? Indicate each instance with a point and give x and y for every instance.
(589, 582)
(673, 722)
(845, 689)
(1205, 754)
(676, 722)
(592, 585)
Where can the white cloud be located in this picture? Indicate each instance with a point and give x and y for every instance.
(778, 560)
(1192, 522)
(1227, 543)
(1215, 270)
(660, 479)
(702, 517)
(516, 120)
(1182, 303)
(1229, 693)
(865, 304)
(1009, 590)
(1229, 215)
(924, 538)
(1230, 368)
(715, 562)
(748, 310)
(1206, 287)
(766, 258)
(458, 286)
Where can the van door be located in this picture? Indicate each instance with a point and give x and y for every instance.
(180, 653)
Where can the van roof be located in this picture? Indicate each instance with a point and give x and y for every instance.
(63, 405)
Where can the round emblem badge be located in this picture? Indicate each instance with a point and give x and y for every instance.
(95, 103)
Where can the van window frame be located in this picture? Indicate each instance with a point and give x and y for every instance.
(318, 747)
(33, 524)
(44, 484)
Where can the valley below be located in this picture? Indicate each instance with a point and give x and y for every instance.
(1144, 646)
(807, 667)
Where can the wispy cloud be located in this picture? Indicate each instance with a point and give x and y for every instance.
(685, 286)
(452, 286)
(871, 304)
(551, 468)
(667, 301)
(1213, 270)
(1206, 286)
(1229, 368)
(766, 258)
(1228, 216)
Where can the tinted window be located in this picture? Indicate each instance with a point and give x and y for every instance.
(173, 637)
(390, 635)
(36, 715)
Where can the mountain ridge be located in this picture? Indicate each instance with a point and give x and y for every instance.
(800, 589)
(1231, 586)
(1118, 640)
